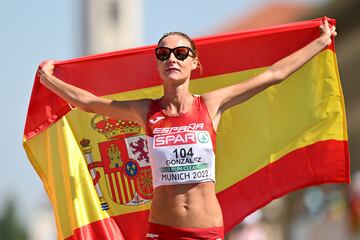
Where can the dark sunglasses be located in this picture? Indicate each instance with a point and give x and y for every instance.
(180, 53)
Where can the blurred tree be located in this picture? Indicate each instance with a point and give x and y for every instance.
(10, 226)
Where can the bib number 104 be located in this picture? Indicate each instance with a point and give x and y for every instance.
(182, 153)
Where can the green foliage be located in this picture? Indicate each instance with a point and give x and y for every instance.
(10, 226)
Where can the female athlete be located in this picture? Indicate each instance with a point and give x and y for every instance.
(181, 129)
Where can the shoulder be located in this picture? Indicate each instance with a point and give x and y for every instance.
(207, 99)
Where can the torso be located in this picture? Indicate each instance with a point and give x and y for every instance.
(186, 205)
(184, 190)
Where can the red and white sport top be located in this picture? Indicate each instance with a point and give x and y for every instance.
(181, 148)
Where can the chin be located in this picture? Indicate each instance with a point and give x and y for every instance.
(171, 77)
(175, 79)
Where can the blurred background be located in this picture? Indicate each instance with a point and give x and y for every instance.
(31, 31)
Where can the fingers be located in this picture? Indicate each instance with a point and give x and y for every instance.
(50, 61)
(327, 32)
(326, 23)
(47, 63)
(41, 72)
(333, 31)
(46, 67)
(325, 26)
(327, 29)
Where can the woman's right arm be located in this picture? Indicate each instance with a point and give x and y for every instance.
(134, 110)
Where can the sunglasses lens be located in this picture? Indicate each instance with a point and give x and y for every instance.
(181, 53)
(162, 53)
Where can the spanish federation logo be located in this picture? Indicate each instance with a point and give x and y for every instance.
(203, 137)
(125, 162)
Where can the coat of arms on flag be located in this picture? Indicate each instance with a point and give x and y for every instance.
(124, 161)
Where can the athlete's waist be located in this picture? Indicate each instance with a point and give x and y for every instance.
(186, 196)
(194, 218)
(186, 205)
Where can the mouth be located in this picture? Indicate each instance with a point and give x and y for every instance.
(170, 69)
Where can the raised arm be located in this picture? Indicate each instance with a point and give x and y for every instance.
(125, 110)
(221, 99)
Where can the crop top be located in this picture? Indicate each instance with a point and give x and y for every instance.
(181, 148)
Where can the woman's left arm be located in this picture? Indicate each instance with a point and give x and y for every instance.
(221, 99)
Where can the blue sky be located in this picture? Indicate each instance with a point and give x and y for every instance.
(31, 31)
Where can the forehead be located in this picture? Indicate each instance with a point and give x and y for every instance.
(172, 41)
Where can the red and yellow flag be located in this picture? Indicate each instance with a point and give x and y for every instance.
(96, 170)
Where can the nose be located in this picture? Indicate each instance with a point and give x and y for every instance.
(172, 57)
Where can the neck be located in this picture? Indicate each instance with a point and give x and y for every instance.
(177, 98)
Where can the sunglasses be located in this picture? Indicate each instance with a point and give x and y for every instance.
(180, 53)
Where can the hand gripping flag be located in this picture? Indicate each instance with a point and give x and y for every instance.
(96, 170)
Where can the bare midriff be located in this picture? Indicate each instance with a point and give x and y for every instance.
(186, 205)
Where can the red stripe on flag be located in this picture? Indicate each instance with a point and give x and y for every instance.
(132, 226)
(111, 187)
(220, 54)
(103, 229)
(123, 184)
(319, 163)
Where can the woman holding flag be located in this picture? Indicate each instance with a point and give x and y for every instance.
(181, 131)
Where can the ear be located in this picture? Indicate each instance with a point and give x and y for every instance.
(195, 63)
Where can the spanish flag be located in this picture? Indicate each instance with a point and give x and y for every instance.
(96, 170)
